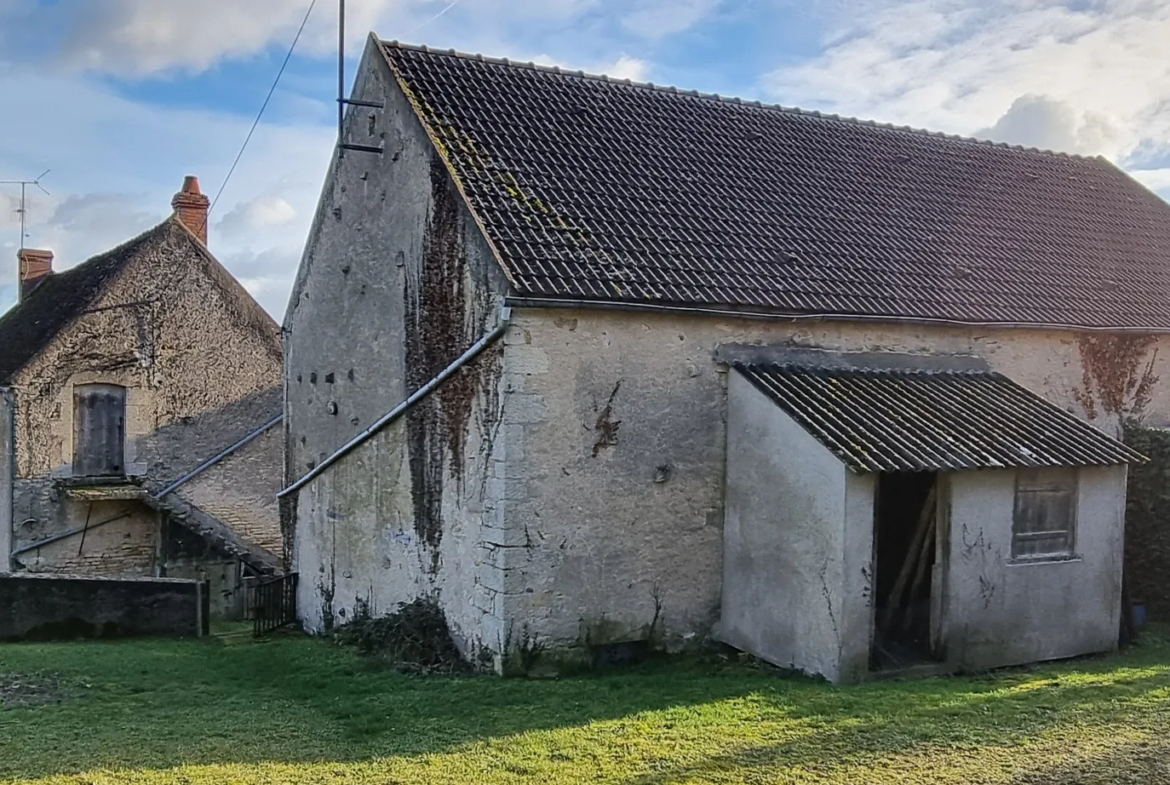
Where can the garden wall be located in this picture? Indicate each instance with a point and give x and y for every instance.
(57, 607)
(1147, 521)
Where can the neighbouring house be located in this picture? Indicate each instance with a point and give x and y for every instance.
(140, 394)
(595, 365)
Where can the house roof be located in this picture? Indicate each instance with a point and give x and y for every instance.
(597, 189)
(907, 420)
(28, 327)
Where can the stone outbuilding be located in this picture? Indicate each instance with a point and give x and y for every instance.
(139, 399)
(913, 512)
(535, 348)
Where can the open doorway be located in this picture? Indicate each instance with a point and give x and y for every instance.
(905, 534)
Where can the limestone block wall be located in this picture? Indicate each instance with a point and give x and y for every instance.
(200, 363)
(7, 472)
(395, 284)
(614, 431)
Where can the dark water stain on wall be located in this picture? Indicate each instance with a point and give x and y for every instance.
(445, 314)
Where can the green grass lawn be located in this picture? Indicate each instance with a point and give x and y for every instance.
(299, 710)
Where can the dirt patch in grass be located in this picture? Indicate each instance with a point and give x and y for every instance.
(20, 689)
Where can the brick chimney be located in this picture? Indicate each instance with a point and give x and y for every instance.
(191, 207)
(35, 266)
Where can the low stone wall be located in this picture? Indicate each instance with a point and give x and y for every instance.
(1147, 521)
(60, 607)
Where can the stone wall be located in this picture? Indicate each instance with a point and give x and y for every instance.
(6, 477)
(613, 428)
(43, 607)
(201, 364)
(127, 545)
(396, 283)
(1147, 521)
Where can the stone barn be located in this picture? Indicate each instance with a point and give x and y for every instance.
(518, 375)
(139, 399)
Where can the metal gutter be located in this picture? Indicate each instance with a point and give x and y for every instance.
(156, 496)
(68, 533)
(10, 403)
(212, 461)
(400, 409)
(730, 313)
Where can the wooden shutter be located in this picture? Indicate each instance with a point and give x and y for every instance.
(1045, 514)
(99, 430)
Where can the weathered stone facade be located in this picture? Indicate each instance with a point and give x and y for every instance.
(567, 487)
(199, 362)
(647, 462)
(385, 299)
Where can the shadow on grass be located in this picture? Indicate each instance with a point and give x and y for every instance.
(160, 704)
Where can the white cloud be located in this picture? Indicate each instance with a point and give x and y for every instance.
(1093, 78)
(1039, 121)
(659, 18)
(144, 37)
(117, 176)
(1154, 179)
(260, 213)
(626, 67)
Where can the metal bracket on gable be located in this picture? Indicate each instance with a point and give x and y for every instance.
(356, 102)
(361, 148)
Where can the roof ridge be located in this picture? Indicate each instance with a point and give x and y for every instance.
(755, 103)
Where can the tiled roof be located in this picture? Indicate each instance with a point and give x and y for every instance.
(598, 189)
(898, 420)
(29, 326)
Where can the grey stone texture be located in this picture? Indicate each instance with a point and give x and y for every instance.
(201, 364)
(396, 282)
(569, 487)
(65, 607)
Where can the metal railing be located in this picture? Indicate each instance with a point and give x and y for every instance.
(273, 604)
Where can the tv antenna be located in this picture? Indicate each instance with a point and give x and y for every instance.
(23, 209)
(342, 101)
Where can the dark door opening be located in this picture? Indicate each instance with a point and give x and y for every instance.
(905, 533)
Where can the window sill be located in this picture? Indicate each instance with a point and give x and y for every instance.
(96, 482)
(1028, 561)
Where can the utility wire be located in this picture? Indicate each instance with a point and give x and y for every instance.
(263, 106)
(426, 22)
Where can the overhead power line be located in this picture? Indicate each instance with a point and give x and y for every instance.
(263, 106)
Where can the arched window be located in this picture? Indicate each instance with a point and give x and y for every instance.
(99, 430)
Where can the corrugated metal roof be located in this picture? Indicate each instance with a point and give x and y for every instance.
(596, 189)
(887, 420)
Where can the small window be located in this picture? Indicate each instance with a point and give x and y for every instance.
(99, 430)
(1045, 514)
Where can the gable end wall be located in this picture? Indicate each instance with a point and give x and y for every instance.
(396, 282)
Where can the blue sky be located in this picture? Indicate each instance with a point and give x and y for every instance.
(122, 98)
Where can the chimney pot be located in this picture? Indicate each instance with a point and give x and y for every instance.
(35, 266)
(191, 207)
